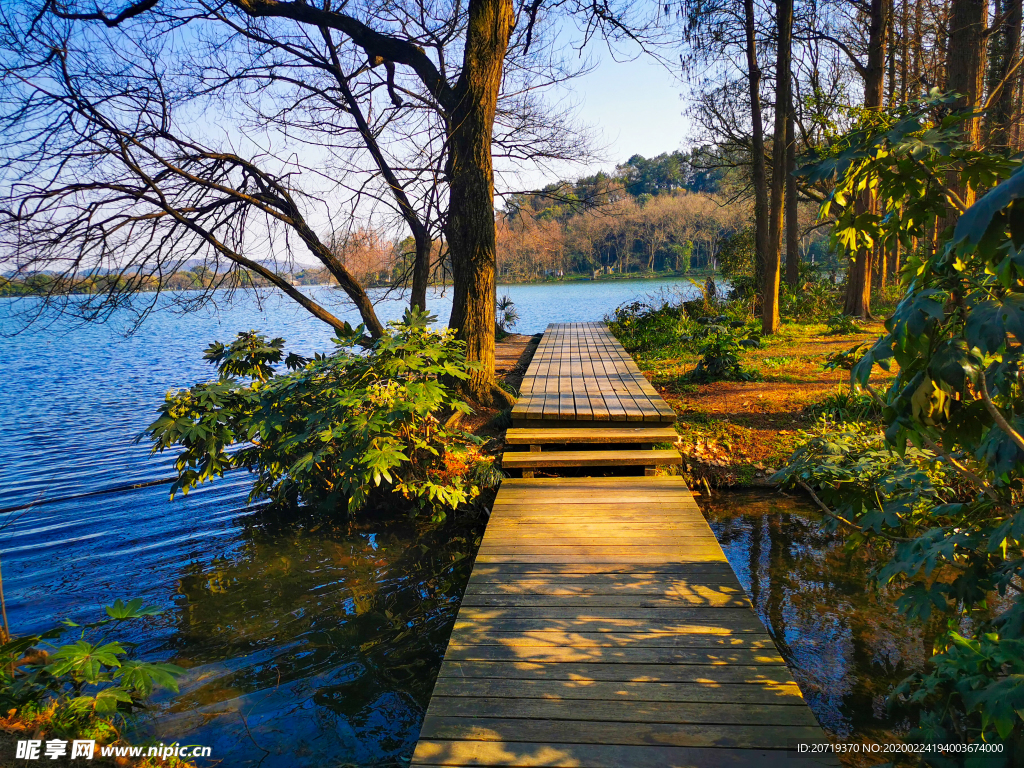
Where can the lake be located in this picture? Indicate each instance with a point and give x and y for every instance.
(309, 641)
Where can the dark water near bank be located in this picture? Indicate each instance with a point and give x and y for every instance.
(844, 642)
(307, 642)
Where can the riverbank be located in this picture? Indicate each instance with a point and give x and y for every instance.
(737, 433)
(695, 274)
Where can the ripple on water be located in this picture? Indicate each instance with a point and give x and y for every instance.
(303, 647)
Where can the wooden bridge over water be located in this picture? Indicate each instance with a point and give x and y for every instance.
(602, 626)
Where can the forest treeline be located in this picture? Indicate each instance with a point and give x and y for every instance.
(662, 214)
(777, 86)
(666, 214)
(194, 279)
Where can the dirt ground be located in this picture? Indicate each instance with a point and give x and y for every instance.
(737, 433)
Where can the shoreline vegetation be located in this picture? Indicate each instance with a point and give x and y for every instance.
(737, 430)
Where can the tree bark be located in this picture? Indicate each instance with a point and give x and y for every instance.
(965, 58)
(792, 212)
(421, 269)
(759, 175)
(918, 64)
(770, 319)
(1004, 77)
(965, 73)
(857, 301)
(905, 43)
(469, 168)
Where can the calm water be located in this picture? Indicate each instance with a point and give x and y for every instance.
(312, 643)
(306, 644)
(844, 642)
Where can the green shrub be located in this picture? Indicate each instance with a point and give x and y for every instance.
(846, 406)
(814, 297)
(842, 325)
(720, 342)
(737, 255)
(655, 331)
(506, 315)
(337, 428)
(80, 673)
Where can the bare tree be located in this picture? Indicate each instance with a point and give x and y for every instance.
(417, 76)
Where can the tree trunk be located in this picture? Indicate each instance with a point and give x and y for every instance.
(770, 319)
(918, 64)
(890, 50)
(881, 263)
(965, 73)
(469, 168)
(759, 175)
(792, 212)
(905, 43)
(858, 274)
(421, 269)
(894, 263)
(1007, 48)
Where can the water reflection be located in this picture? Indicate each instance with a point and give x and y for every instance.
(844, 642)
(314, 643)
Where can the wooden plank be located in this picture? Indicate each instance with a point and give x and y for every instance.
(623, 733)
(602, 625)
(579, 571)
(530, 460)
(603, 549)
(581, 373)
(571, 639)
(603, 655)
(571, 690)
(526, 585)
(596, 558)
(598, 710)
(725, 616)
(617, 626)
(581, 672)
(563, 754)
(592, 599)
(590, 435)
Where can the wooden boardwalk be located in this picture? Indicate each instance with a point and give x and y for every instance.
(602, 626)
(580, 373)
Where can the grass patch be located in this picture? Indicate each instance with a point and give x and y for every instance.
(738, 432)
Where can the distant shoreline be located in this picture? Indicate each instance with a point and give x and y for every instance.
(695, 274)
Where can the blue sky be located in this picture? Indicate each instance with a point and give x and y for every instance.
(632, 106)
(636, 105)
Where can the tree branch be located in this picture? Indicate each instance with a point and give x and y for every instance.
(997, 415)
(130, 12)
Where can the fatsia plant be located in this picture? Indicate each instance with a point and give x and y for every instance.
(720, 341)
(333, 430)
(79, 671)
(905, 158)
(943, 490)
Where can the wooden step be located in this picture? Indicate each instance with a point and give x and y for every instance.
(537, 459)
(593, 435)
